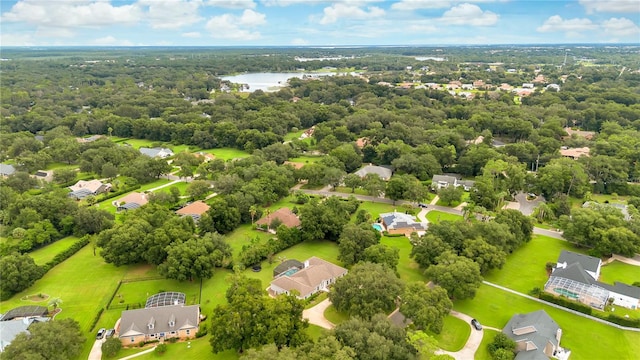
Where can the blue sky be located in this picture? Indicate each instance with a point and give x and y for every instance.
(316, 22)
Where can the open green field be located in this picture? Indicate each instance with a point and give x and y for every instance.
(294, 135)
(454, 334)
(407, 268)
(524, 271)
(438, 216)
(47, 253)
(306, 159)
(60, 165)
(182, 186)
(375, 209)
(243, 235)
(335, 316)
(585, 338)
(227, 153)
(197, 349)
(619, 271)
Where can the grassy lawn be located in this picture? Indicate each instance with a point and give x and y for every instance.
(196, 349)
(315, 331)
(407, 268)
(294, 135)
(375, 209)
(619, 271)
(335, 316)
(227, 153)
(243, 236)
(523, 272)
(60, 165)
(306, 159)
(47, 253)
(151, 185)
(438, 216)
(182, 186)
(487, 338)
(347, 190)
(454, 335)
(602, 198)
(495, 307)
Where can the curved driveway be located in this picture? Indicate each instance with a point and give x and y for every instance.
(315, 315)
(473, 342)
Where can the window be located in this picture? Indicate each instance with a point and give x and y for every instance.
(172, 323)
(188, 332)
(173, 333)
(133, 339)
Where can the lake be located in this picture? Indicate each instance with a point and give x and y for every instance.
(269, 81)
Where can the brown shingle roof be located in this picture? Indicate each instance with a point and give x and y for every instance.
(308, 279)
(195, 208)
(296, 165)
(285, 215)
(134, 197)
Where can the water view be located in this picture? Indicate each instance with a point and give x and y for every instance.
(268, 81)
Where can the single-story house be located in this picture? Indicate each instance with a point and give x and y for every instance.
(132, 201)
(442, 181)
(398, 319)
(575, 153)
(384, 172)
(195, 210)
(7, 170)
(159, 323)
(316, 275)
(84, 188)
(206, 157)
(401, 223)
(575, 276)
(284, 215)
(11, 328)
(537, 336)
(580, 133)
(23, 312)
(89, 139)
(161, 153)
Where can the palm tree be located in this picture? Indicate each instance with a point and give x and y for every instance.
(55, 302)
(252, 212)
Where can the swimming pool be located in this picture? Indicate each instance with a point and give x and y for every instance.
(377, 227)
(290, 272)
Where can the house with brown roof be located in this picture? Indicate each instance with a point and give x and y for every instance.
(316, 275)
(83, 188)
(295, 165)
(132, 201)
(284, 215)
(195, 210)
(362, 142)
(575, 153)
(580, 133)
(159, 323)
(206, 157)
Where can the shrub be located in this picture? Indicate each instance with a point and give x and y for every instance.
(630, 322)
(202, 332)
(111, 347)
(566, 303)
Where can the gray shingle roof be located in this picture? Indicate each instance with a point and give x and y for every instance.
(383, 172)
(135, 322)
(7, 169)
(588, 263)
(537, 327)
(444, 178)
(395, 221)
(10, 329)
(574, 272)
(621, 288)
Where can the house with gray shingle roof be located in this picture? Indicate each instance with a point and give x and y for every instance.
(11, 328)
(7, 170)
(159, 323)
(384, 172)
(401, 223)
(576, 277)
(537, 336)
(442, 181)
(161, 153)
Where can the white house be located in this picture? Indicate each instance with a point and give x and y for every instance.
(161, 153)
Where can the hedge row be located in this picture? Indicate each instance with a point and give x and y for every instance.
(96, 319)
(60, 257)
(630, 322)
(585, 309)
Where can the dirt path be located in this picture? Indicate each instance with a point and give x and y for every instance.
(315, 315)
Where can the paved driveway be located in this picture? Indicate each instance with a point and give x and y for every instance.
(526, 206)
(96, 350)
(473, 343)
(315, 315)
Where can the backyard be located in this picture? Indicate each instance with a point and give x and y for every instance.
(47, 253)
(438, 216)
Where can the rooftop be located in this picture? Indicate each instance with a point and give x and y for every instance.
(285, 215)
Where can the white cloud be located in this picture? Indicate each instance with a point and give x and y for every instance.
(341, 10)
(10, 39)
(299, 41)
(420, 28)
(233, 4)
(432, 4)
(171, 14)
(72, 13)
(229, 26)
(110, 40)
(193, 34)
(611, 6)
(469, 14)
(556, 23)
(620, 27)
(283, 3)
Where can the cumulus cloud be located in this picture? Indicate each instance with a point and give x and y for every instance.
(233, 4)
(611, 6)
(556, 23)
(12, 39)
(620, 27)
(72, 13)
(171, 14)
(337, 11)
(193, 35)
(233, 27)
(313, 2)
(409, 5)
(469, 14)
(110, 40)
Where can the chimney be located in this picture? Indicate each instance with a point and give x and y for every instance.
(558, 335)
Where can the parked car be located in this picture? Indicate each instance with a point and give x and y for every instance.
(423, 205)
(100, 334)
(110, 333)
(476, 324)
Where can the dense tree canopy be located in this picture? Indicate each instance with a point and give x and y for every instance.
(56, 340)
